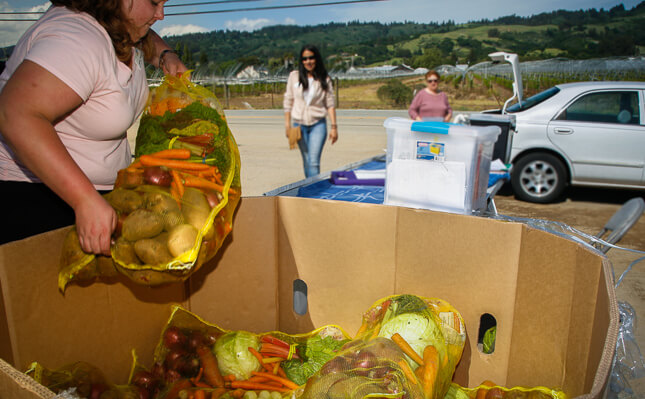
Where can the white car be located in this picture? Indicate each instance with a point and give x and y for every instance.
(579, 134)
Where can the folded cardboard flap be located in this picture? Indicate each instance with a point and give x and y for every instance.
(554, 309)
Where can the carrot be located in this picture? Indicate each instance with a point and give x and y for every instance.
(200, 394)
(405, 367)
(211, 370)
(258, 386)
(201, 384)
(407, 349)
(431, 369)
(281, 372)
(277, 350)
(238, 393)
(275, 368)
(229, 377)
(198, 376)
(174, 192)
(259, 357)
(198, 182)
(217, 393)
(284, 381)
(177, 180)
(135, 165)
(173, 153)
(149, 160)
(257, 378)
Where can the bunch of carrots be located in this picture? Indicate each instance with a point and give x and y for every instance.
(209, 383)
(184, 172)
(428, 368)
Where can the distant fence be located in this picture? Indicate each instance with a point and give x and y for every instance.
(614, 68)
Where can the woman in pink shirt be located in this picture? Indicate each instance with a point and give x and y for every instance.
(430, 103)
(73, 85)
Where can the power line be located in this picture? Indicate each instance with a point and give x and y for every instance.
(273, 7)
(329, 3)
(208, 2)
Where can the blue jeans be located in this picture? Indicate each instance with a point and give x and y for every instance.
(311, 144)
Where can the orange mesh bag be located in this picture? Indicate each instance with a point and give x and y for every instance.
(176, 201)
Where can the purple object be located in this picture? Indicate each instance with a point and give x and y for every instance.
(348, 178)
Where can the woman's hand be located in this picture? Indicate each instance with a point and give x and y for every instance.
(171, 64)
(95, 222)
(333, 134)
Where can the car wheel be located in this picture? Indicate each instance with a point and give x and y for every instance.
(538, 177)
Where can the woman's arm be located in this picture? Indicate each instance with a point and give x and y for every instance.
(448, 115)
(168, 61)
(413, 110)
(287, 104)
(333, 132)
(30, 104)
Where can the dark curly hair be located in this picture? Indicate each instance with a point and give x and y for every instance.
(109, 14)
(319, 73)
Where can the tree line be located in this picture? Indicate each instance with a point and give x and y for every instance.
(580, 34)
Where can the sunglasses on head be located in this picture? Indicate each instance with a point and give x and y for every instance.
(432, 80)
(311, 57)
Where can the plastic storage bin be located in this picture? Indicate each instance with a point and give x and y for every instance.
(438, 166)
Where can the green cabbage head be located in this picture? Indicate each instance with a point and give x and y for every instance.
(233, 355)
(418, 329)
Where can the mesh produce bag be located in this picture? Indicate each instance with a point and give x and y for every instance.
(176, 200)
(407, 346)
(490, 390)
(194, 355)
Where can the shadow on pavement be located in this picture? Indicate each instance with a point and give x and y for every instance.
(589, 194)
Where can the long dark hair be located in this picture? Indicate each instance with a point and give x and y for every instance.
(319, 73)
(109, 14)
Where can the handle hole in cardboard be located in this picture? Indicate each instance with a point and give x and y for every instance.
(299, 297)
(487, 333)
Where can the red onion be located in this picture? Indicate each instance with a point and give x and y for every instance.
(157, 175)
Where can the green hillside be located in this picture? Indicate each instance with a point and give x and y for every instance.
(578, 34)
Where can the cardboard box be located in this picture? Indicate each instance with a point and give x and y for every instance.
(552, 299)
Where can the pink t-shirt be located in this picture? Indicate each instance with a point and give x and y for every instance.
(79, 52)
(428, 105)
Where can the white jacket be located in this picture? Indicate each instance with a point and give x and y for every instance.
(294, 100)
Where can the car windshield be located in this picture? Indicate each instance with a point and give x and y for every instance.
(533, 100)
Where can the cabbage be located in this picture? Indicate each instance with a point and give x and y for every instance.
(233, 355)
(419, 327)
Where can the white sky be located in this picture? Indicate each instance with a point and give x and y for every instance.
(383, 11)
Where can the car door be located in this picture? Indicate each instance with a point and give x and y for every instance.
(602, 134)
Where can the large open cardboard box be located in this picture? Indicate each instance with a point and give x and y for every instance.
(552, 299)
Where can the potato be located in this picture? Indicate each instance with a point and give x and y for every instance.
(152, 251)
(160, 202)
(140, 224)
(124, 252)
(181, 239)
(195, 208)
(123, 200)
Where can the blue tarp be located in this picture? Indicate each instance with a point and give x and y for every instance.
(325, 189)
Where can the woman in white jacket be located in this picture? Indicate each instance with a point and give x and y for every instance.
(308, 100)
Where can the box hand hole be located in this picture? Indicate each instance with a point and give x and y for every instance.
(299, 297)
(487, 333)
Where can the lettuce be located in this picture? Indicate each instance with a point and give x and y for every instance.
(315, 352)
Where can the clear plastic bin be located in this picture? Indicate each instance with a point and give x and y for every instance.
(438, 166)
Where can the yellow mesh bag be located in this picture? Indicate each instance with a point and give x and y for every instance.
(194, 355)
(407, 346)
(176, 200)
(80, 380)
(489, 390)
